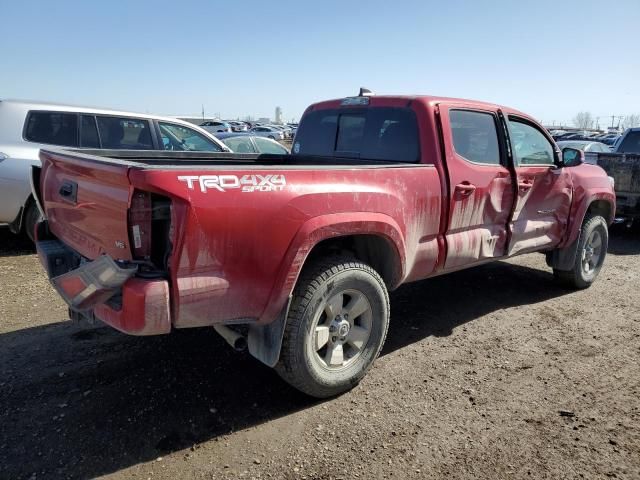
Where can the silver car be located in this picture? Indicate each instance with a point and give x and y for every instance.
(585, 145)
(237, 126)
(284, 129)
(216, 126)
(269, 132)
(25, 127)
(248, 143)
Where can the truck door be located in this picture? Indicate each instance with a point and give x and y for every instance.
(481, 192)
(544, 191)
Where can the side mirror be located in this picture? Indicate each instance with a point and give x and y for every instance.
(572, 157)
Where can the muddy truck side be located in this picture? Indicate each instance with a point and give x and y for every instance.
(294, 256)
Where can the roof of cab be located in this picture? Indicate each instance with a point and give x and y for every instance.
(430, 100)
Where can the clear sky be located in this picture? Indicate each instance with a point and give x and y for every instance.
(243, 57)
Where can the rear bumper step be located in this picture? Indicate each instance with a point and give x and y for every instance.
(87, 287)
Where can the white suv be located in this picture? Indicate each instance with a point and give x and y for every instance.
(216, 126)
(25, 127)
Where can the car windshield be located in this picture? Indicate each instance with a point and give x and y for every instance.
(178, 137)
(269, 146)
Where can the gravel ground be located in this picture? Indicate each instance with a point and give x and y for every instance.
(495, 372)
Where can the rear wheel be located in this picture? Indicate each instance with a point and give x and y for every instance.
(590, 255)
(336, 327)
(30, 218)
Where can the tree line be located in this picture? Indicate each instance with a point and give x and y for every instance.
(585, 120)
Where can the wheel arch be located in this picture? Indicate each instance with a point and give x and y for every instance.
(601, 207)
(600, 204)
(372, 229)
(373, 238)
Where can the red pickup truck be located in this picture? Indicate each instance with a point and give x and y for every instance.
(294, 255)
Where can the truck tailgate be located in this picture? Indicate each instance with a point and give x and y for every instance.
(624, 168)
(86, 203)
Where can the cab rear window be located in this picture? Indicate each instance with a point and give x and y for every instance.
(375, 133)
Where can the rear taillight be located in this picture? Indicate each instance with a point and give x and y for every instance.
(149, 232)
(140, 218)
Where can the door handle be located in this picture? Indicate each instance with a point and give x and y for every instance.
(465, 188)
(69, 191)
(525, 186)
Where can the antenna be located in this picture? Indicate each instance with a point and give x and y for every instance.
(365, 92)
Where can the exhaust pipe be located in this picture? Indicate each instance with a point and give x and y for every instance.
(233, 338)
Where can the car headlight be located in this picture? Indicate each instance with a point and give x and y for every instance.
(612, 181)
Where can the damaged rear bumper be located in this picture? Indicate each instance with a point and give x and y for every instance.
(105, 290)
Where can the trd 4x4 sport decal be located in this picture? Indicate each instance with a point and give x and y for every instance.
(247, 183)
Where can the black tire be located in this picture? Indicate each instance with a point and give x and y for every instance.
(272, 137)
(30, 218)
(301, 364)
(581, 275)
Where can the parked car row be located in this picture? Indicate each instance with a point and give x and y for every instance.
(585, 145)
(275, 132)
(250, 143)
(605, 138)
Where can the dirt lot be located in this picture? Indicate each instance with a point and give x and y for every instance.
(491, 373)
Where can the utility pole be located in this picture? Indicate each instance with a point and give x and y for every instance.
(203, 112)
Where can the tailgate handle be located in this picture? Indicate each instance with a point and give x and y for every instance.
(69, 191)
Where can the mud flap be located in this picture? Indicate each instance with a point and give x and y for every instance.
(265, 341)
(563, 258)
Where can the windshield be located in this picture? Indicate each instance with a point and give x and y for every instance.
(178, 137)
(375, 133)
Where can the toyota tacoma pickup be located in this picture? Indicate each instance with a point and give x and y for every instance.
(294, 256)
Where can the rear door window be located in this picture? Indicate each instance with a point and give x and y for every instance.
(53, 128)
(475, 136)
(124, 133)
(375, 133)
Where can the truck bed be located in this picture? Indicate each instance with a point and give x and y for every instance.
(167, 159)
(226, 231)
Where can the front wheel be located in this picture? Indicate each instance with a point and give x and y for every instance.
(590, 254)
(336, 327)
